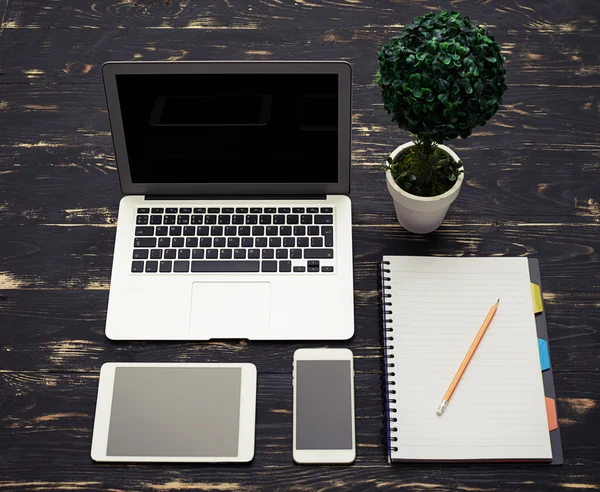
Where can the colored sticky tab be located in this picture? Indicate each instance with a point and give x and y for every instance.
(551, 411)
(536, 297)
(544, 356)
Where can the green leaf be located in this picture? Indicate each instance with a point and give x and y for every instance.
(443, 98)
(421, 55)
(491, 59)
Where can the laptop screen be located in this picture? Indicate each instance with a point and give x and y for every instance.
(230, 128)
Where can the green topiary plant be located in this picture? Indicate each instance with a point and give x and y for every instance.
(439, 79)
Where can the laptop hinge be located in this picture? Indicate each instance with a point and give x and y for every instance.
(235, 197)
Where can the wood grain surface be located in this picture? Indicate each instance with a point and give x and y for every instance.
(532, 189)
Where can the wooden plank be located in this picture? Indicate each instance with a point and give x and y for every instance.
(47, 421)
(61, 331)
(80, 257)
(538, 54)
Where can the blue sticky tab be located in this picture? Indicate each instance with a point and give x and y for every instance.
(544, 357)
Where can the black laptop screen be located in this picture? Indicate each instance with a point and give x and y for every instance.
(230, 128)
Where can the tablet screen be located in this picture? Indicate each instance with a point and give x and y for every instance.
(172, 411)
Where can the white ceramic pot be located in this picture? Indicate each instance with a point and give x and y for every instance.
(421, 214)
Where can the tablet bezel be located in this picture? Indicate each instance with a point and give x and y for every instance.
(247, 415)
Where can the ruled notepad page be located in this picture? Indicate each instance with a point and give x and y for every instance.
(498, 408)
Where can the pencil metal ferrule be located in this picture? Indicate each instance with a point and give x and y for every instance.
(441, 408)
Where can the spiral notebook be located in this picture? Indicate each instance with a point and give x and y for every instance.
(503, 408)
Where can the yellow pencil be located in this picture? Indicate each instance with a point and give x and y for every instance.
(467, 359)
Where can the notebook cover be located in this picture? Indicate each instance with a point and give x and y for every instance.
(547, 375)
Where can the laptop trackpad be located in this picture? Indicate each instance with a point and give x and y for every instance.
(231, 309)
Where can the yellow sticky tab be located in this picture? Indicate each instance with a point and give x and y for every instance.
(536, 297)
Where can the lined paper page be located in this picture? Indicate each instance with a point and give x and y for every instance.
(498, 409)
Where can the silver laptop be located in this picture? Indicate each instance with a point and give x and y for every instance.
(235, 221)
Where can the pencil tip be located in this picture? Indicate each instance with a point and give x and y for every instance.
(498, 300)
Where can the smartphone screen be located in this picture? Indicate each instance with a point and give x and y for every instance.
(323, 404)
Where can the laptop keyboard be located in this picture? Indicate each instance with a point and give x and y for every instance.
(241, 239)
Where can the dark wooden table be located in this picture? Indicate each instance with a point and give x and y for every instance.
(532, 189)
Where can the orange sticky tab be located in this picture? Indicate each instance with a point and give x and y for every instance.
(551, 411)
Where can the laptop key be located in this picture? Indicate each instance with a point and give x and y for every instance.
(256, 210)
(144, 242)
(156, 219)
(143, 211)
(285, 266)
(169, 219)
(170, 254)
(191, 242)
(230, 230)
(306, 219)
(237, 219)
(198, 254)
(226, 266)
(292, 219)
(164, 242)
(323, 219)
(316, 242)
(206, 242)
(165, 266)
(224, 219)
(137, 266)
(181, 266)
(312, 210)
(211, 254)
(197, 219)
(268, 253)
(283, 210)
(327, 269)
(272, 230)
(183, 219)
(233, 242)
(141, 220)
(216, 231)
(265, 219)
(157, 210)
(200, 210)
(251, 219)
(274, 242)
(327, 232)
(261, 242)
(269, 266)
(156, 254)
(184, 254)
(270, 210)
(253, 253)
(175, 231)
(302, 242)
(281, 254)
(227, 210)
(151, 266)
(213, 210)
(289, 242)
(247, 242)
(161, 231)
(285, 231)
(144, 231)
(219, 242)
(313, 269)
(241, 210)
(185, 210)
(299, 231)
(202, 231)
(140, 254)
(239, 254)
(278, 219)
(298, 210)
(243, 230)
(226, 254)
(171, 210)
(326, 210)
(210, 219)
(258, 230)
(313, 263)
(189, 230)
(313, 230)
(299, 269)
(295, 253)
(318, 253)
(177, 242)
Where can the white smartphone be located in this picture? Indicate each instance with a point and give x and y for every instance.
(323, 382)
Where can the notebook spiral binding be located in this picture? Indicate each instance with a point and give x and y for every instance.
(387, 335)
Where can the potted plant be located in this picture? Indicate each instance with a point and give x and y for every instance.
(440, 78)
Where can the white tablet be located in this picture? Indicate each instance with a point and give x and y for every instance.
(175, 412)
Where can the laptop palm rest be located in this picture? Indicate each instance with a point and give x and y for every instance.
(231, 309)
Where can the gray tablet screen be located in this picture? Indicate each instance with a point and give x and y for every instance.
(175, 412)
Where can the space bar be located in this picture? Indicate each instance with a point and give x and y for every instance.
(225, 266)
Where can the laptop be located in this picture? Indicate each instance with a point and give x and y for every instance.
(235, 221)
